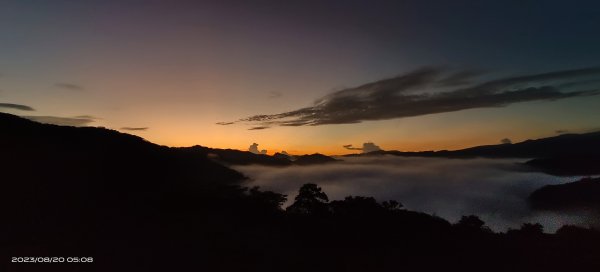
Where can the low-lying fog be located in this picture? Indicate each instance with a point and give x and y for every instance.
(493, 189)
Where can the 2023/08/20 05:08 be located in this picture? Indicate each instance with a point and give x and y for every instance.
(52, 259)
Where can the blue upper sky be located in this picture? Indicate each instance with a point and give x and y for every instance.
(178, 67)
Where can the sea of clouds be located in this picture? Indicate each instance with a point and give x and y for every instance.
(494, 189)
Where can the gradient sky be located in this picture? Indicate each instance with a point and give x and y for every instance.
(170, 70)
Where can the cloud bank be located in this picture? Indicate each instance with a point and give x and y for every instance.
(254, 149)
(430, 91)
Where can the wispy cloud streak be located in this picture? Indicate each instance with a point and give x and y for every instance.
(430, 91)
(63, 121)
(16, 107)
(135, 128)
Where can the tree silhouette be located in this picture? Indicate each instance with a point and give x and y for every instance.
(267, 200)
(310, 200)
(532, 229)
(528, 230)
(472, 223)
(392, 205)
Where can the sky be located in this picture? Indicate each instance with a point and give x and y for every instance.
(305, 76)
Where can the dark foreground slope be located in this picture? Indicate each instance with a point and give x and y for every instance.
(67, 191)
(583, 194)
(135, 206)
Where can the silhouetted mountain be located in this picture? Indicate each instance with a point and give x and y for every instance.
(567, 165)
(587, 144)
(82, 150)
(567, 154)
(76, 191)
(566, 145)
(313, 159)
(237, 157)
(581, 194)
(283, 156)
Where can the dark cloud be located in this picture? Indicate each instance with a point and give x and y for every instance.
(459, 78)
(370, 147)
(506, 141)
(422, 92)
(275, 94)
(366, 147)
(257, 128)
(63, 121)
(135, 128)
(350, 147)
(16, 107)
(69, 86)
(87, 117)
(576, 131)
(225, 123)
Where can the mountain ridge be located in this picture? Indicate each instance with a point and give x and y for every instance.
(530, 148)
(562, 155)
